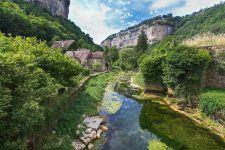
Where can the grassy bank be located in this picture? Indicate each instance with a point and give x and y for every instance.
(83, 102)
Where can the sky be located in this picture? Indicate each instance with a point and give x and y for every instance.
(101, 18)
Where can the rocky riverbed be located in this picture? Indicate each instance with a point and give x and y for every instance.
(90, 130)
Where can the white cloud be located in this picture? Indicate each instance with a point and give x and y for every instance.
(162, 4)
(193, 6)
(90, 17)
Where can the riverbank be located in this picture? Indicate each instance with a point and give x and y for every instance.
(83, 102)
(158, 120)
(194, 114)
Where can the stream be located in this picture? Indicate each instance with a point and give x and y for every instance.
(133, 124)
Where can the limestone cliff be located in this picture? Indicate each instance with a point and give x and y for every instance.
(55, 7)
(129, 37)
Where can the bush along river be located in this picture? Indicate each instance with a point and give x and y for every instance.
(135, 125)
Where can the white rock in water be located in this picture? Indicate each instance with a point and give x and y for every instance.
(88, 130)
(77, 132)
(85, 136)
(93, 122)
(93, 132)
(79, 126)
(78, 145)
(90, 146)
(83, 139)
(88, 140)
(99, 132)
(83, 146)
(104, 128)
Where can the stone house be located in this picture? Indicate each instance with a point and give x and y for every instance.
(63, 45)
(92, 60)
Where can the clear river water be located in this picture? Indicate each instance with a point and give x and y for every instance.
(133, 124)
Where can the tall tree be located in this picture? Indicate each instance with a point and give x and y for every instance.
(142, 44)
(112, 54)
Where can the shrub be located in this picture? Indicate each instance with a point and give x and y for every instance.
(128, 58)
(31, 73)
(97, 67)
(112, 54)
(152, 69)
(53, 62)
(184, 70)
(152, 65)
(212, 100)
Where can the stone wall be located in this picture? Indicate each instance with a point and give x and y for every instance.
(213, 78)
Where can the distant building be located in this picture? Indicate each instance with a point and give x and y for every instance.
(89, 59)
(63, 45)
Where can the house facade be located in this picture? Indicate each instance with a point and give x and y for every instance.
(92, 60)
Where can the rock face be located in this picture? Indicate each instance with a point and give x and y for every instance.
(55, 7)
(127, 38)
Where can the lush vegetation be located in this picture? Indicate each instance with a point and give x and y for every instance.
(181, 68)
(139, 79)
(206, 20)
(142, 44)
(184, 70)
(18, 17)
(128, 58)
(82, 103)
(157, 145)
(212, 101)
(30, 74)
(112, 54)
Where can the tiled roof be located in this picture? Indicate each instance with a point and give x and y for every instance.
(62, 44)
(97, 55)
(82, 55)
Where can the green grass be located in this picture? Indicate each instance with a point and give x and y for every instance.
(83, 102)
(139, 79)
(212, 100)
(158, 145)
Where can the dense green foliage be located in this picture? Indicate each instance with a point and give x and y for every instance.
(208, 20)
(181, 68)
(184, 70)
(30, 74)
(152, 64)
(128, 58)
(142, 44)
(152, 69)
(158, 145)
(82, 103)
(212, 100)
(18, 17)
(112, 54)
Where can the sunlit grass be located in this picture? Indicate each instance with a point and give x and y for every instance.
(206, 39)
